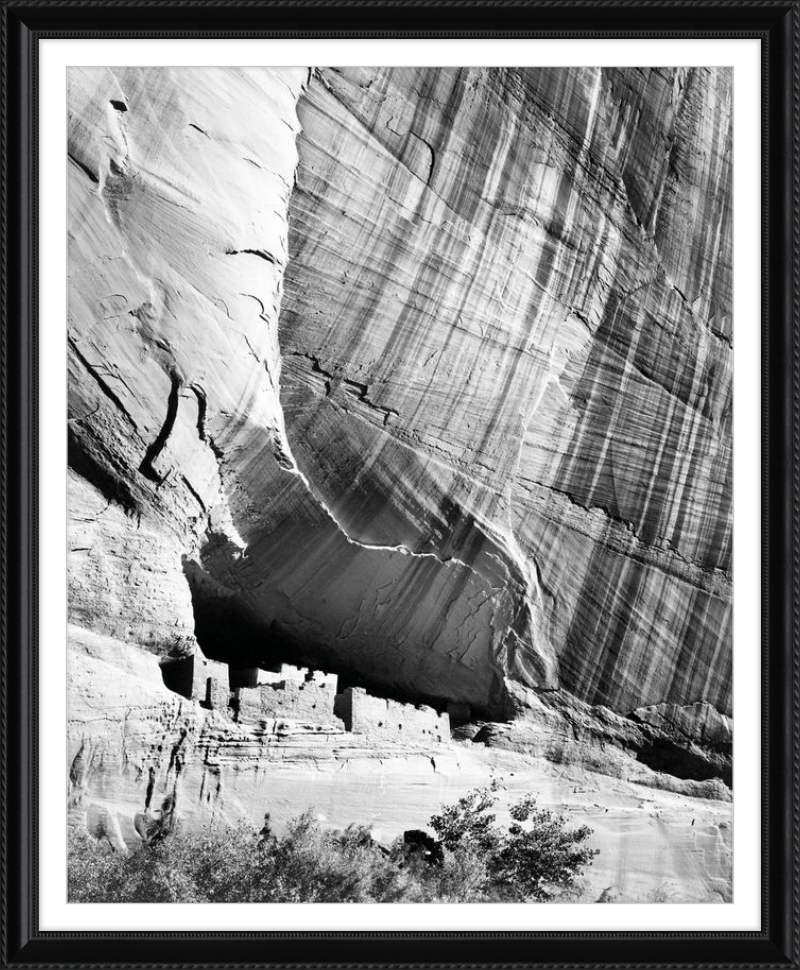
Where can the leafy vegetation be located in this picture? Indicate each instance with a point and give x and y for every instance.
(535, 858)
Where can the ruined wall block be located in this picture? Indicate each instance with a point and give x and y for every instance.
(292, 673)
(303, 675)
(203, 669)
(307, 701)
(218, 694)
(268, 677)
(379, 717)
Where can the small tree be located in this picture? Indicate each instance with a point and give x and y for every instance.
(469, 823)
(536, 857)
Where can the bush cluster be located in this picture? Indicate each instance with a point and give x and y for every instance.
(537, 857)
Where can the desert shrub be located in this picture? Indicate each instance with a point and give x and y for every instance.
(239, 865)
(461, 878)
(312, 865)
(157, 873)
(94, 870)
(535, 858)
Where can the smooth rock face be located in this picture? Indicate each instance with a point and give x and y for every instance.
(421, 376)
(506, 343)
(177, 238)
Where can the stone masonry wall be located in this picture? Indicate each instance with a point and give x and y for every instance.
(310, 700)
(209, 681)
(310, 696)
(379, 717)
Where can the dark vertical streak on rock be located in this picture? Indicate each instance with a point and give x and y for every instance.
(146, 467)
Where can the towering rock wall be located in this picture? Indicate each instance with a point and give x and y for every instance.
(453, 408)
(177, 243)
(506, 343)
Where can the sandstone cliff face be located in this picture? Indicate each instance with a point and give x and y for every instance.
(177, 242)
(504, 358)
(506, 345)
(419, 375)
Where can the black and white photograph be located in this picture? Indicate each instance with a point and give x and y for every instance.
(400, 485)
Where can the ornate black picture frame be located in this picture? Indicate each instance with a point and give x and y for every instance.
(777, 25)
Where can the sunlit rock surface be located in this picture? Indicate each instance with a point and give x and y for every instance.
(506, 343)
(423, 376)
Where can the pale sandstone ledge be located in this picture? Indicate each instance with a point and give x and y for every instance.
(421, 374)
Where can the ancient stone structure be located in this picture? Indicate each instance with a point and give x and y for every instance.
(210, 682)
(380, 717)
(300, 694)
(308, 698)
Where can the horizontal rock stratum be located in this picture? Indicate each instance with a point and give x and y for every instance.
(418, 375)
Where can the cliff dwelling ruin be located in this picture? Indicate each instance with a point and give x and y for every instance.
(289, 696)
